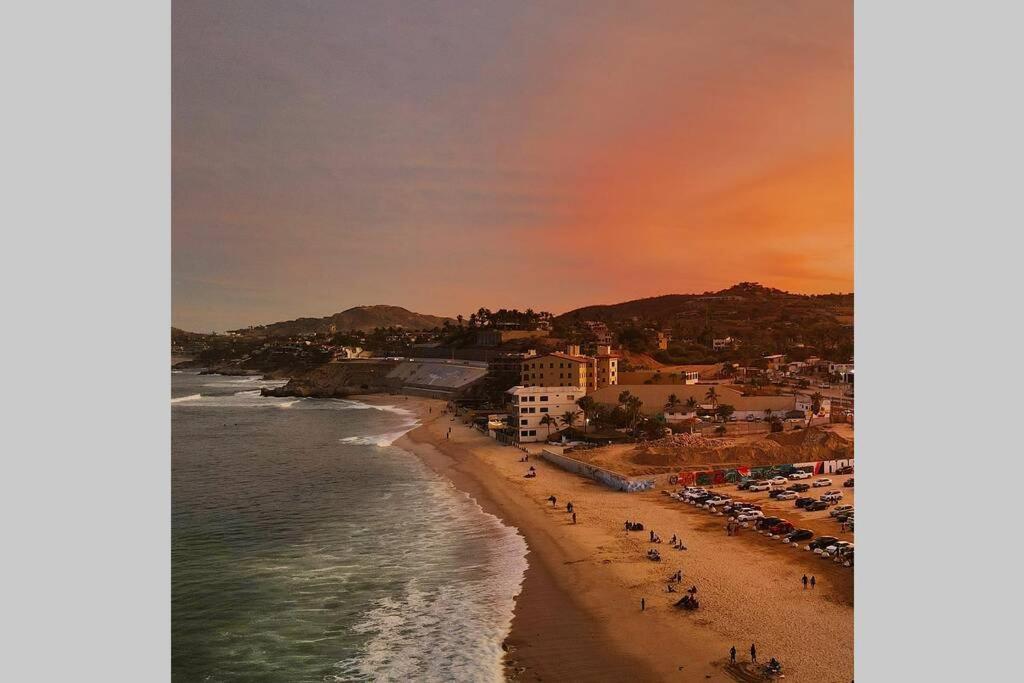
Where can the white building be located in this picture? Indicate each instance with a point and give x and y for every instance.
(531, 404)
(726, 343)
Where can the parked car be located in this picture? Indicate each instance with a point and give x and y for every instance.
(718, 500)
(822, 542)
(834, 548)
(745, 483)
(840, 509)
(767, 522)
(848, 483)
(786, 495)
(803, 502)
(749, 515)
(759, 486)
(832, 496)
(799, 488)
(801, 474)
(799, 535)
(778, 481)
(782, 527)
(816, 505)
(845, 470)
(845, 517)
(824, 481)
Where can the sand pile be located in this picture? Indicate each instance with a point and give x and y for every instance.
(696, 451)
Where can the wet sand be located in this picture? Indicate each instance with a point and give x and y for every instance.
(578, 616)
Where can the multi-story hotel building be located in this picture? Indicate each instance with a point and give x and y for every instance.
(572, 369)
(531, 404)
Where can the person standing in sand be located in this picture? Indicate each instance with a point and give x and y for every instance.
(753, 653)
(643, 605)
(732, 655)
(574, 518)
(805, 581)
(553, 500)
(813, 581)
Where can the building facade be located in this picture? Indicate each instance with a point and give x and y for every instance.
(529, 405)
(572, 369)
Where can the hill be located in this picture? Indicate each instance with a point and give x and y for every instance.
(362, 318)
(764, 319)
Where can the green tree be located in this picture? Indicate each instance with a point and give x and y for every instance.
(550, 422)
(725, 411)
(712, 397)
(816, 398)
(568, 418)
(691, 404)
(587, 404)
(673, 401)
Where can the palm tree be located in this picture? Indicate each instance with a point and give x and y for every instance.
(587, 405)
(633, 406)
(624, 397)
(550, 422)
(691, 404)
(673, 401)
(712, 397)
(568, 418)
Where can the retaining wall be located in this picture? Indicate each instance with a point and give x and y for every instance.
(610, 479)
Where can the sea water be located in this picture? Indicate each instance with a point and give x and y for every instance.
(306, 547)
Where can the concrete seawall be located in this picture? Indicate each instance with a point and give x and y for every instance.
(612, 480)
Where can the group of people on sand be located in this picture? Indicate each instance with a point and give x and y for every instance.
(813, 582)
(773, 665)
(675, 578)
(634, 526)
(569, 507)
(530, 473)
(732, 528)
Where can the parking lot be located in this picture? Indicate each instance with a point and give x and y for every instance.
(820, 522)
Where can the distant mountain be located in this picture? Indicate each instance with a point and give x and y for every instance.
(364, 318)
(745, 301)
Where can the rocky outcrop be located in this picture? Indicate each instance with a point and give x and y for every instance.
(338, 380)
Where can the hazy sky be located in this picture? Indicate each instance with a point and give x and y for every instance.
(445, 156)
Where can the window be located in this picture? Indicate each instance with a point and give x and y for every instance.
(523, 423)
(524, 433)
(568, 398)
(543, 410)
(543, 398)
(533, 432)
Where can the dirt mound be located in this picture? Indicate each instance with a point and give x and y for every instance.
(694, 451)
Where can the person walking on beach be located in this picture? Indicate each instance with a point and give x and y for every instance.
(753, 653)
(643, 605)
(574, 518)
(732, 654)
(568, 506)
(813, 582)
(553, 500)
(652, 535)
(805, 581)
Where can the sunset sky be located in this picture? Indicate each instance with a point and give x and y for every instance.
(444, 156)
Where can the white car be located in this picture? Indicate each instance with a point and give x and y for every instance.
(786, 495)
(759, 486)
(779, 481)
(749, 516)
(718, 500)
(802, 474)
(839, 509)
(832, 495)
(818, 483)
(832, 549)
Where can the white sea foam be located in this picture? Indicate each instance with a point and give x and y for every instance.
(182, 399)
(382, 440)
(435, 634)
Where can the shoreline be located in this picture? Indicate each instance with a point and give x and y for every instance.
(578, 614)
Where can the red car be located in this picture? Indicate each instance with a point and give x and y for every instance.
(782, 527)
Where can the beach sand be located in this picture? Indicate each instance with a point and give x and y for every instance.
(578, 616)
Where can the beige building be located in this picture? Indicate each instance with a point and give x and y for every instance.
(572, 369)
(531, 404)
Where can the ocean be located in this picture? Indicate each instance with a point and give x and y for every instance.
(306, 547)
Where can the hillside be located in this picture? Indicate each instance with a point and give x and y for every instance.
(362, 318)
(742, 300)
(763, 320)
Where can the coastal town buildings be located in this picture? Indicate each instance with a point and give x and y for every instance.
(724, 343)
(572, 369)
(530, 405)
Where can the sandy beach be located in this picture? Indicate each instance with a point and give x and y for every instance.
(578, 616)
